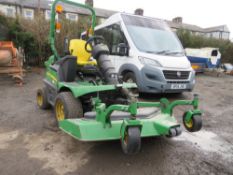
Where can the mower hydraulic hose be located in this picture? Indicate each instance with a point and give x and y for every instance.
(101, 53)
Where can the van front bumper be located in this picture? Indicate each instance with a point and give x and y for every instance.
(152, 80)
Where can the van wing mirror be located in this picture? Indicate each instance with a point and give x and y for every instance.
(123, 49)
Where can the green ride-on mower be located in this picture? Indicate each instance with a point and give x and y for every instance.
(90, 101)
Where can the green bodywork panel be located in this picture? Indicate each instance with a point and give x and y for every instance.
(79, 89)
(103, 128)
(92, 130)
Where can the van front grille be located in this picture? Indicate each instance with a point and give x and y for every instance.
(178, 82)
(176, 75)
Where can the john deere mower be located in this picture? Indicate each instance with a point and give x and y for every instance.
(90, 101)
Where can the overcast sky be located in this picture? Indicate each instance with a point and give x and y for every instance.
(204, 13)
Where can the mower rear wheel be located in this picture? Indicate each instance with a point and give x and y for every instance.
(41, 98)
(195, 123)
(131, 144)
(67, 106)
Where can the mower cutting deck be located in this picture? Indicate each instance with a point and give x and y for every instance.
(92, 104)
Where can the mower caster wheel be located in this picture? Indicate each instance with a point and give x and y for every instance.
(195, 123)
(41, 98)
(131, 144)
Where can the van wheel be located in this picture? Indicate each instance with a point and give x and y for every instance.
(130, 78)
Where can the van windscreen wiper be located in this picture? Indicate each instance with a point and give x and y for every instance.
(165, 52)
(175, 53)
(158, 52)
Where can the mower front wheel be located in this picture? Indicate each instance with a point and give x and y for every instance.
(41, 98)
(194, 124)
(67, 106)
(131, 143)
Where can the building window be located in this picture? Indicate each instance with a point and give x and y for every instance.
(47, 14)
(72, 16)
(10, 12)
(28, 14)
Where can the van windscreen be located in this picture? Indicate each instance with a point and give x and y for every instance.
(144, 22)
(152, 36)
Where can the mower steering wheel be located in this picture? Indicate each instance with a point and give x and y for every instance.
(92, 41)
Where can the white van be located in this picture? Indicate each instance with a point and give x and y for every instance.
(145, 50)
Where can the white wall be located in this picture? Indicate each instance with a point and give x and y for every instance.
(225, 35)
(28, 13)
(72, 16)
(4, 9)
(218, 35)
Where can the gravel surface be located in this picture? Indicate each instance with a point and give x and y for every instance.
(30, 142)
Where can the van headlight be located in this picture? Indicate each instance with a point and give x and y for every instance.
(148, 61)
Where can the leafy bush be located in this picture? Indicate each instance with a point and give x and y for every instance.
(25, 40)
(3, 27)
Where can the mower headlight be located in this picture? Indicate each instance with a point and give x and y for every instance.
(148, 61)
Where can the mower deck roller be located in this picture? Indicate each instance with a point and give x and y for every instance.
(101, 53)
(91, 105)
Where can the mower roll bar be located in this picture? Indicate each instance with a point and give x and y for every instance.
(53, 21)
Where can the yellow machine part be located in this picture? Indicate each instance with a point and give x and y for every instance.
(196, 66)
(77, 48)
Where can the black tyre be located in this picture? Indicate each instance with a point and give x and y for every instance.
(131, 144)
(172, 133)
(131, 78)
(67, 106)
(195, 124)
(42, 99)
(178, 131)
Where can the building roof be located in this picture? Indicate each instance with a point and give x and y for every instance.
(44, 4)
(221, 28)
(195, 28)
(185, 26)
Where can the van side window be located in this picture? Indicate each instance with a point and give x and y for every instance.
(113, 37)
(214, 53)
(106, 33)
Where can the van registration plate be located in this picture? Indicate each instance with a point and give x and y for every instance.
(178, 86)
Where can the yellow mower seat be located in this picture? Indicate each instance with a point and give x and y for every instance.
(77, 49)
